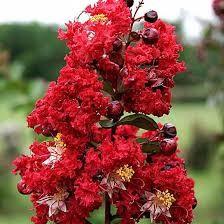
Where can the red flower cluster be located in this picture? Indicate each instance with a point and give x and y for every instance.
(218, 6)
(73, 104)
(150, 71)
(91, 152)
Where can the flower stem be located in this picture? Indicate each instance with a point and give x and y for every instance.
(107, 209)
(134, 20)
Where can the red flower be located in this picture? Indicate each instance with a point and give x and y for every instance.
(151, 69)
(74, 103)
(169, 174)
(109, 68)
(87, 192)
(107, 20)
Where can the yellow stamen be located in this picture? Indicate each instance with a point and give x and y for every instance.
(58, 141)
(165, 198)
(102, 18)
(126, 173)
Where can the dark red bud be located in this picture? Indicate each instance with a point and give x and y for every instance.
(22, 188)
(135, 36)
(195, 203)
(115, 110)
(117, 58)
(130, 3)
(117, 45)
(150, 36)
(169, 130)
(151, 16)
(168, 146)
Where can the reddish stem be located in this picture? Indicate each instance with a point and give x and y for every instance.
(138, 7)
(107, 209)
(134, 20)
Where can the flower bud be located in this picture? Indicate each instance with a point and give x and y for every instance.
(117, 45)
(130, 3)
(117, 58)
(169, 130)
(150, 36)
(115, 110)
(22, 188)
(135, 36)
(151, 16)
(195, 203)
(168, 146)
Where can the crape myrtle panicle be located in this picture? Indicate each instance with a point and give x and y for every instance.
(94, 153)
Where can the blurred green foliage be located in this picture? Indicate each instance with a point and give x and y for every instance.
(35, 47)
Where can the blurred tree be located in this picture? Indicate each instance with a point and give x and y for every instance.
(36, 47)
(210, 53)
(195, 55)
(4, 62)
(202, 148)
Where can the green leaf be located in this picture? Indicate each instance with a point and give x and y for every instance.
(140, 121)
(151, 147)
(142, 140)
(107, 123)
(108, 88)
(116, 221)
